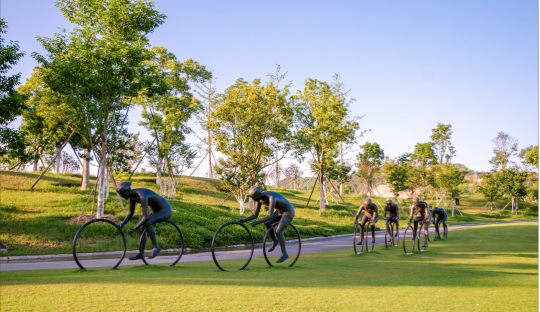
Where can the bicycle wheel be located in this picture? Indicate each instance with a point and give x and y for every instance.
(294, 247)
(365, 242)
(405, 239)
(231, 246)
(389, 232)
(168, 236)
(354, 240)
(90, 238)
(419, 235)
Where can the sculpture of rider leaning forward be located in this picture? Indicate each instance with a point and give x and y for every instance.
(279, 210)
(393, 210)
(371, 215)
(423, 216)
(161, 211)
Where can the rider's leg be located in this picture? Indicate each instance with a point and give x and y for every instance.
(372, 224)
(426, 231)
(275, 218)
(396, 222)
(160, 216)
(286, 219)
(142, 240)
(416, 220)
(388, 227)
(362, 223)
(437, 234)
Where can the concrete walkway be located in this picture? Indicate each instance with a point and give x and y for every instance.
(308, 246)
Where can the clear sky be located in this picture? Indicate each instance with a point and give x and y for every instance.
(409, 64)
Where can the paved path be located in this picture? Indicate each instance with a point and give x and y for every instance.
(308, 246)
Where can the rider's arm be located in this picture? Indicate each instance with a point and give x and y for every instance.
(433, 213)
(255, 214)
(271, 206)
(376, 214)
(358, 214)
(130, 213)
(384, 212)
(412, 214)
(427, 214)
(144, 208)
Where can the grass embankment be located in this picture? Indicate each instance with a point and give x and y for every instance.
(35, 221)
(489, 268)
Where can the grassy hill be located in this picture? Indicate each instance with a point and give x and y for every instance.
(36, 221)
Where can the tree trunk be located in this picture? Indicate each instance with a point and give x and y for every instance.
(321, 187)
(86, 170)
(341, 163)
(210, 175)
(277, 166)
(158, 173)
(58, 158)
(102, 170)
(35, 165)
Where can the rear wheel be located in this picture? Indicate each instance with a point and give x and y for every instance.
(168, 234)
(295, 246)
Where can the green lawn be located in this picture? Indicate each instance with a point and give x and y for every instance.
(487, 268)
(35, 221)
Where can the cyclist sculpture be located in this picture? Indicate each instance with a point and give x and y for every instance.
(442, 216)
(371, 215)
(393, 210)
(161, 211)
(421, 207)
(279, 210)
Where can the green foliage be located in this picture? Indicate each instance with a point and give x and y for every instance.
(441, 142)
(530, 154)
(369, 163)
(505, 147)
(12, 143)
(490, 187)
(396, 174)
(424, 154)
(512, 182)
(249, 117)
(449, 177)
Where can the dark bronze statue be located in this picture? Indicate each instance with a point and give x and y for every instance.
(393, 210)
(441, 216)
(161, 211)
(422, 216)
(371, 214)
(279, 210)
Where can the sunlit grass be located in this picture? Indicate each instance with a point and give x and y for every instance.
(489, 268)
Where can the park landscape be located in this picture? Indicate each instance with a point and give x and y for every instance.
(60, 166)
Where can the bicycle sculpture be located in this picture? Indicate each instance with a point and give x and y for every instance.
(422, 218)
(280, 213)
(391, 221)
(372, 215)
(442, 216)
(159, 217)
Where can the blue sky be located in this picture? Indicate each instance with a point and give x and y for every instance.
(409, 64)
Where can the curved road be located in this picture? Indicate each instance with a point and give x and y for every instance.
(308, 246)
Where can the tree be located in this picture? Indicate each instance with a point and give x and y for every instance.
(396, 174)
(249, 118)
(12, 143)
(513, 184)
(339, 89)
(423, 161)
(529, 156)
(448, 177)
(441, 142)
(505, 147)
(369, 164)
(100, 65)
(68, 163)
(424, 155)
(322, 124)
(43, 122)
(209, 101)
(294, 174)
(165, 114)
(490, 187)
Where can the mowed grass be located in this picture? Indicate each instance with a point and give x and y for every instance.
(34, 222)
(485, 268)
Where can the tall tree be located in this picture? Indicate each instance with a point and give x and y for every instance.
(513, 184)
(209, 101)
(12, 143)
(338, 87)
(448, 177)
(396, 175)
(369, 164)
(490, 188)
(100, 65)
(505, 147)
(322, 124)
(441, 142)
(248, 120)
(165, 114)
(529, 156)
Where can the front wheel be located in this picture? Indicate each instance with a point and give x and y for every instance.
(232, 243)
